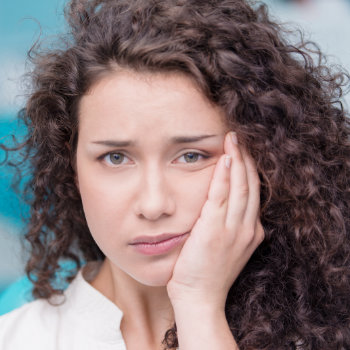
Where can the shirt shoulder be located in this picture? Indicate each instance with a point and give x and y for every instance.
(32, 323)
(80, 318)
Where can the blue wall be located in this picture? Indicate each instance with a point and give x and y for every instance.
(21, 23)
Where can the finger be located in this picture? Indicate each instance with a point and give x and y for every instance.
(260, 233)
(239, 190)
(253, 205)
(215, 208)
(252, 241)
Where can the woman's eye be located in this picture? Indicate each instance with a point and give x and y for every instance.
(114, 158)
(118, 158)
(192, 157)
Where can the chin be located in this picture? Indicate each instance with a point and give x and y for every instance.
(155, 276)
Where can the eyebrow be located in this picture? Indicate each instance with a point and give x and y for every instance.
(173, 140)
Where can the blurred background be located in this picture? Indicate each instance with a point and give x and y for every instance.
(22, 22)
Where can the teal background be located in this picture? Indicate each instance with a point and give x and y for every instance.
(22, 22)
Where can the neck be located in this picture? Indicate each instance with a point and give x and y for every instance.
(147, 310)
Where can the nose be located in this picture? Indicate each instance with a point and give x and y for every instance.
(154, 197)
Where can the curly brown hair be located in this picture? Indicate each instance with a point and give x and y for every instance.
(283, 102)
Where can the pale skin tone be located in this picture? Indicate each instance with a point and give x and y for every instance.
(157, 184)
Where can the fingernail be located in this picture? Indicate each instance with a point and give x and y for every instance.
(234, 138)
(228, 160)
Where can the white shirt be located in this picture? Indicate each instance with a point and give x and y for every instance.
(86, 320)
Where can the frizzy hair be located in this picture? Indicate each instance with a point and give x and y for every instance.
(284, 105)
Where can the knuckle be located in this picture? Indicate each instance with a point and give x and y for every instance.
(260, 233)
(243, 191)
(248, 236)
(210, 212)
(254, 235)
(218, 199)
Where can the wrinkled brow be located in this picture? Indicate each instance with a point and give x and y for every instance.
(173, 140)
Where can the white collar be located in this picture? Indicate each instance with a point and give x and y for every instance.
(96, 313)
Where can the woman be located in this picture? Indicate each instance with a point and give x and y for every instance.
(199, 164)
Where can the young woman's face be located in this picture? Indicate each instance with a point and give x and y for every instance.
(147, 148)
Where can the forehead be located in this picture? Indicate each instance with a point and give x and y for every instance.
(126, 102)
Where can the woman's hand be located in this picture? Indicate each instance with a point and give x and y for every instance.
(225, 235)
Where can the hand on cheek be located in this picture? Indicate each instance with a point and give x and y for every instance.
(225, 235)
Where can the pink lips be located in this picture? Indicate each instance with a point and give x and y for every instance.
(157, 245)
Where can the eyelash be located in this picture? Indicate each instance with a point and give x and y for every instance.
(103, 156)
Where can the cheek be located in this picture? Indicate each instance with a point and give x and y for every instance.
(195, 191)
(104, 202)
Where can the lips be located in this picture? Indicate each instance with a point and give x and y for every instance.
(158, 245)
(155, 239)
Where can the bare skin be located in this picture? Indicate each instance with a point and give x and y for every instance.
(156, 188)
(145, 331)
